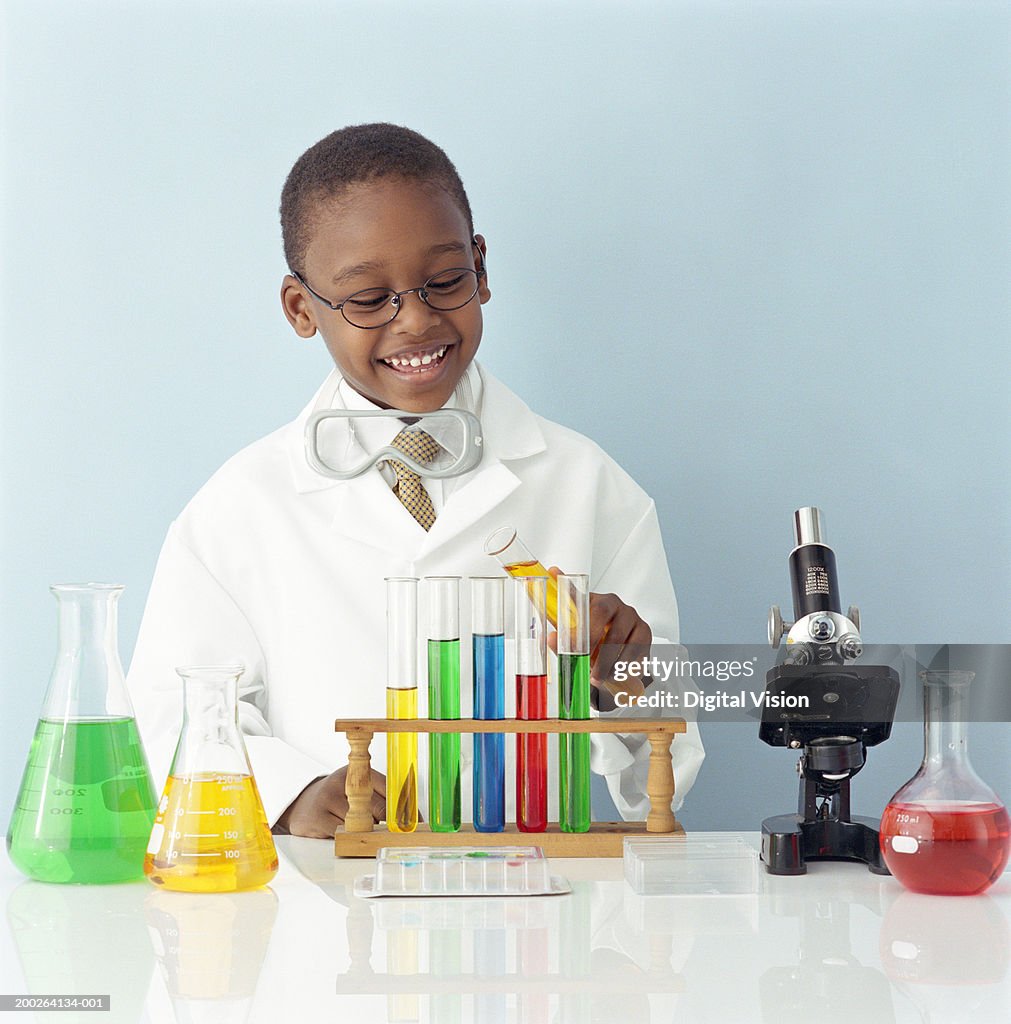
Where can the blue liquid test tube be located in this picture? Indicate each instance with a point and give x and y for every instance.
(488, 629)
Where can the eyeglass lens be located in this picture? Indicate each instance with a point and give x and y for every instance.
(445, 291)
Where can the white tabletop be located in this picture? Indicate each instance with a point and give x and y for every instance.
(838, 944)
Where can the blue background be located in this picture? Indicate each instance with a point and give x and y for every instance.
(758, 250)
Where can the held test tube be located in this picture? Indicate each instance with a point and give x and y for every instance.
(402, 703)
(529, 600)
(574, 703)
(444, 701)
(515, 557)
(488, 629)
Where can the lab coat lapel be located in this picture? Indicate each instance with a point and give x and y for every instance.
(367, 511)
(488, 487)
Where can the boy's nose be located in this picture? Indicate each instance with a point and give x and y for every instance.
(414, 315)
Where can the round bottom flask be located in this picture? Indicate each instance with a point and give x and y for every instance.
(945, 832)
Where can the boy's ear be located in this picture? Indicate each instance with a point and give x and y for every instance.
(483, 291)
(296, 307)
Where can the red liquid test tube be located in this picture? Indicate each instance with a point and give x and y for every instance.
(530, 597)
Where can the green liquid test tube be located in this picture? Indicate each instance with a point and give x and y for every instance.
(574, 703)
(444, 702)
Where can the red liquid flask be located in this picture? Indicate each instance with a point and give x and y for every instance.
(945, 832)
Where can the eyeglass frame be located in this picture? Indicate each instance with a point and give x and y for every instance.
(395, 296)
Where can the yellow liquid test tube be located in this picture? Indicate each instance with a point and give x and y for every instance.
(514, 556)
(402, 703)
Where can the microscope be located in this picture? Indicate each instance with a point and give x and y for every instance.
(840, 710)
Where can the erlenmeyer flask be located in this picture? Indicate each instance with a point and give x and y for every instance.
(211, 832)
(945, 831)
(86, 803)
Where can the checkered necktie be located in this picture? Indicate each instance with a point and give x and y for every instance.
(422, 448)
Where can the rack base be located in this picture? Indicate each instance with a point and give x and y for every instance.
(603, 840)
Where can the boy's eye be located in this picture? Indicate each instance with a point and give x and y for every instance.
(446, 281)
(371, 298)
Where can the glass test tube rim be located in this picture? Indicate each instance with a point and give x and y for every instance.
(497, 549)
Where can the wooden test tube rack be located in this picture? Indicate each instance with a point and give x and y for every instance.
(360, 838)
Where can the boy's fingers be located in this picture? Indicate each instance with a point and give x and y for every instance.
(628, 640)
(378, 783)
(378, 807)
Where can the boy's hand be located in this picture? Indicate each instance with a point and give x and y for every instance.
(616, 632)
(322, 806)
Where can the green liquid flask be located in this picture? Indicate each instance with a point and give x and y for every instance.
(86, 805)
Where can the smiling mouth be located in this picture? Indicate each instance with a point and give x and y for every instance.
(422, 361)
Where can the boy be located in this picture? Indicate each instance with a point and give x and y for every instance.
(282, 568)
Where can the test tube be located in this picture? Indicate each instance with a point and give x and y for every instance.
(444, 701)
(529, 603)
(488, 629)
(574, 703)
(515, 557)
(402, 702)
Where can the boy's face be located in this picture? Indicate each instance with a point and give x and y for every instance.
(393, 234)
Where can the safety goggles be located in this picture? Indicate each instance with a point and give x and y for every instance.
(345, 443)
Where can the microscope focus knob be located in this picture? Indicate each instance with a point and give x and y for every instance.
(777, 627)
(853, 614)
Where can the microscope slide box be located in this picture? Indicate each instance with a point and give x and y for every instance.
(702, 863)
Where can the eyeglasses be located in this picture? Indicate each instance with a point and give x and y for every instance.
(376, 307)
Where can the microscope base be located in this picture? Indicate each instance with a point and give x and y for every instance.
(788, 841)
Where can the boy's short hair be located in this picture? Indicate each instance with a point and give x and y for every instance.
(359, 153)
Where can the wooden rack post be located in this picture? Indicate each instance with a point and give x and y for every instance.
(359, 838)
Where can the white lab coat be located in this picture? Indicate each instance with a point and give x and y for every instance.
(282, 569)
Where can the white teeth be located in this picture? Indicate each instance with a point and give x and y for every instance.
(418, 361)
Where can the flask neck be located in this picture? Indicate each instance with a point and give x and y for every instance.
(87, 679)
(945, 719)
(210, 741)
(87, 616)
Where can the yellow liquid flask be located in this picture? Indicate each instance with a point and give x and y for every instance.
(402, 703)
(211, 832)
